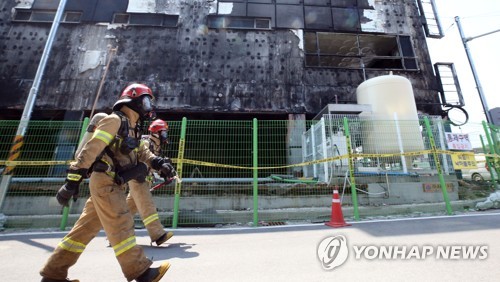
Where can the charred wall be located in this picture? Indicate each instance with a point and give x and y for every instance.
(194, 67)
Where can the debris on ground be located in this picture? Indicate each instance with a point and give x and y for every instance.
(492, 202)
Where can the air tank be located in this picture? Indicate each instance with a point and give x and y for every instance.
(393, 125)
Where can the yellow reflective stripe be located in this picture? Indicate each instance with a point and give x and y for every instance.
(124, 246)
(150, 219)
(74, 177)
(104, 161)
(71, 245)
(103, 136)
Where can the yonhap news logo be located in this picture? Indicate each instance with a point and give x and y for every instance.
(333, 251)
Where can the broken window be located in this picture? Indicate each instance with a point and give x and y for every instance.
(342, 50)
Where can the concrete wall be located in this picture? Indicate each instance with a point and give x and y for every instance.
(408, 193)
(402, 193)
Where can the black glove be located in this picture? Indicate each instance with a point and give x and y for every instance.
(72, 186)
(157, 162)
(167, 170)
(164, 166)
(67, 191)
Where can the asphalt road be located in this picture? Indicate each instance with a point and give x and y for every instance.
(423, 249)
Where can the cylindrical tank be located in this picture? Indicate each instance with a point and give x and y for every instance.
(393, 125)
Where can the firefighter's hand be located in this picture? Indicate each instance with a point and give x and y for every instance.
(67, 191)
(72, 186)
(167, 170)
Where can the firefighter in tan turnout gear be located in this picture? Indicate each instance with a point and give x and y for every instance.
(145, 206)
(139, 197)
(115, 157)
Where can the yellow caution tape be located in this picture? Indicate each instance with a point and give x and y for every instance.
(34, 163)
(210, 164)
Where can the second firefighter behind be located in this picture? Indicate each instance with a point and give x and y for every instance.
(139, 198)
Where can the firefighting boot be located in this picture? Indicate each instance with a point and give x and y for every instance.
(45, 279)
(154, 274)
(164, 238)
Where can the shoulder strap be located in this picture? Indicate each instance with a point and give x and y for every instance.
(123, 131)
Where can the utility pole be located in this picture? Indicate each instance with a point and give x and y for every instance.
(111, 53)
(489, 119)
(30, 104)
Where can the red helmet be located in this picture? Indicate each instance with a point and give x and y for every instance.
(157, 126)
(134, 96)
(158, 129)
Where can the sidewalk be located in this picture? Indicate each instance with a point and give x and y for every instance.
(282, 253)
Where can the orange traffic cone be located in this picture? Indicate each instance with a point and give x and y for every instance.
(337, 218)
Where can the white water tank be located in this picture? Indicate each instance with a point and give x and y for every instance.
(393, 124)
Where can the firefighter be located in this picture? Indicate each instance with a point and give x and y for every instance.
(139, 197)
(115, 157)
(158, 136)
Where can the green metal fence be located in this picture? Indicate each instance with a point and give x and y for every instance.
(255, 173)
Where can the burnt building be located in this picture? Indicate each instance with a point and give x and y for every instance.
(231, 59)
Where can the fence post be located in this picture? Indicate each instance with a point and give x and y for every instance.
(64, 219)
(488, 162)
(491, 145)
(354, 193)
(178, 184)
(255, 173)
(438, 165)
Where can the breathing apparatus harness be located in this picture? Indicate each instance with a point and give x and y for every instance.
(125, 144)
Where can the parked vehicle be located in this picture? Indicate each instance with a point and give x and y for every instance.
(480, 174)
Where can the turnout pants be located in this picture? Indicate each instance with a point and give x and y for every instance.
(140, 200)
(107, 208)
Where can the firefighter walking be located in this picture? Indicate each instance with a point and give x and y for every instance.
(139, 197)
(116, 157)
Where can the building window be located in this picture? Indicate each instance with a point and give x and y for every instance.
(346, 19)
(141, 19)
(121, 18)
(22, 16)
(358, 51)
(72, 17)
(45, 16)
(238, 22)
(42, 16)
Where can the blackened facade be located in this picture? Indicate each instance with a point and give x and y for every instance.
(261, 58)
